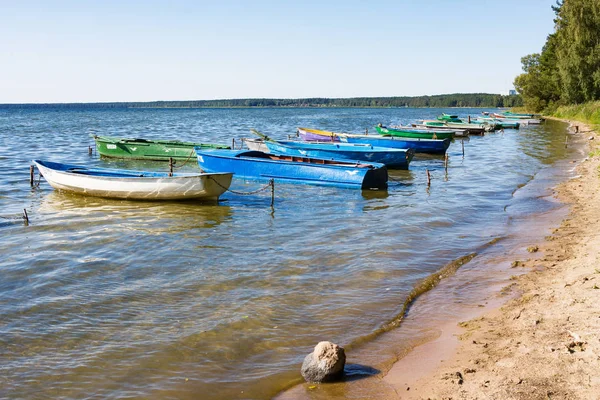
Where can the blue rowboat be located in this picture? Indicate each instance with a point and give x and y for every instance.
(294, 169)
(430, 146)
(392, 158)
(420, 145)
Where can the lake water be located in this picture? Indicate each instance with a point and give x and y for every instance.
(117, 299)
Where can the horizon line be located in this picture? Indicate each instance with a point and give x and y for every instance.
(254, 98)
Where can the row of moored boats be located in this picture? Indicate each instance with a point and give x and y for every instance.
(318, 157)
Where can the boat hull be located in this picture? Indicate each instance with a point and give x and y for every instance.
(263, 166)
(317, 135)
(429, 146)
(155, 150)
(256, 144)
(521, 120)
(392, 158)
(133, 185)
(504, 124)
(420, 134)
(471, 129)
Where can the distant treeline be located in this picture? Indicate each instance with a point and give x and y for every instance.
(443, 100)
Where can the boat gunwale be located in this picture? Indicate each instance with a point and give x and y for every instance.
(79, 171)
(362, 147)
(142, 141)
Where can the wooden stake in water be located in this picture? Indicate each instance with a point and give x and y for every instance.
(232, 143)
(25, 217)
(89, 150)
(446, 162)
(366, 131)
(428, 177)
(31, 175)
(171, 166)
(463, 146)
(272, 192)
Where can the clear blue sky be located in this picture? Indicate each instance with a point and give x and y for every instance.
(105, 50)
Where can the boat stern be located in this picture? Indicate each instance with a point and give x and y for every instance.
(375, 179)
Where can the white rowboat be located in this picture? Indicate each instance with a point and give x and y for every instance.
(133, 185)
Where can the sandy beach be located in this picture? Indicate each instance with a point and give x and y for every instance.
(545, 342)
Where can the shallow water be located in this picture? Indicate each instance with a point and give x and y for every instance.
(103, 298)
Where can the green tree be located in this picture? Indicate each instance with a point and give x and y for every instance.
(578, 49)
(539, 84)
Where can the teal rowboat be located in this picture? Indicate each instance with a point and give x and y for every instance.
(498, 124)
(517, 115)
(414, 133)
(493, 124)
(449, 118)
(145, 149)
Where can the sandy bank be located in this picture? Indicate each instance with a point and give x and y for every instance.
(545, 343)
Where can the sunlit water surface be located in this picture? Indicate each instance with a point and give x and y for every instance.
(117, 299)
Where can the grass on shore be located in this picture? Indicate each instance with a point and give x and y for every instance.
(588, 113)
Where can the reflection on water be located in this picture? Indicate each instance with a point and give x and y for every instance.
(112, 298)
(150, 217)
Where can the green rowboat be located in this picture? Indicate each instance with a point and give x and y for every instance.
(414, 133)
(145, 149)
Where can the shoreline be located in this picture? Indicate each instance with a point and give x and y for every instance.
(428, 369)
(543, 342)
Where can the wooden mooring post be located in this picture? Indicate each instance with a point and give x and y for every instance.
(428, 177)
(446, 162)
(171, 163)
(31, 175)
(463, 146)
(25, 217)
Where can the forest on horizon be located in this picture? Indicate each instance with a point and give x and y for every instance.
(436, 101)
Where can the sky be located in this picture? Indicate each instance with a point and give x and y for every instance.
(105, 51)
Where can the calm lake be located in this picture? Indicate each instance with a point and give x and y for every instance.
(117, 299)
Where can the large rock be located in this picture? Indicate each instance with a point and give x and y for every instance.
(325, 363)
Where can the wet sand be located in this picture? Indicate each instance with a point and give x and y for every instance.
(544, 343)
